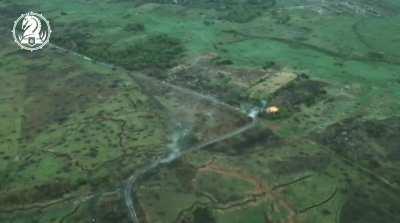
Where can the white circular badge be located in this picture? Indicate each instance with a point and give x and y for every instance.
(31, 31)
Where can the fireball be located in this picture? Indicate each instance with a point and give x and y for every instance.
(272, 110)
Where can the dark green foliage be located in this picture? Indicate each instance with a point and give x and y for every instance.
(244, 11)
(112, 210)
(355, 135)
(203, 215)
(299, 164)
(221, 61)
(240, 11)
(75, 36)
(242, 14)
(199, 79)
(10, 10)
(155, 52)
(365, 141)
(366, 206)
(376, 55)
(249, 141)
(134, 27)
(268, 65)
(185, 172)
(301, 91)
(386, 132)
(281, 16)
(344, 137)
(38, 193)
(235, 95)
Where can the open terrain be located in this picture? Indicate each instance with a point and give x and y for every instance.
(153, 111)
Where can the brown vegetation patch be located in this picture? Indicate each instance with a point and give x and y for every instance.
(52, 99)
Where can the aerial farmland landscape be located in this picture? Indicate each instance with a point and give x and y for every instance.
(200, 111)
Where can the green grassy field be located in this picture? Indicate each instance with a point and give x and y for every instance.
(72, 131)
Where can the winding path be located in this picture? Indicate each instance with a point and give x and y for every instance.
(130, 182)
(129, 188)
